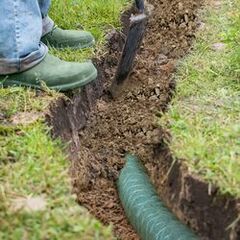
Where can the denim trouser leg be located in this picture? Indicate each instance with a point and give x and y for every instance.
(47, 21)
(44, 6)
(20, 33)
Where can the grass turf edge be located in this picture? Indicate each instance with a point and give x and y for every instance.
(204, 116)
(36, 200)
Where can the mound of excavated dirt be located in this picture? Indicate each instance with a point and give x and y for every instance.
(128, 124)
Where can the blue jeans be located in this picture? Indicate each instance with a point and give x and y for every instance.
(22, 24)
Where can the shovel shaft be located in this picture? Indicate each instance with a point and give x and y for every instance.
(140, 5)
(133, 42)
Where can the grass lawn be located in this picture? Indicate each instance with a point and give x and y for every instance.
(35, 189)
(204, 118)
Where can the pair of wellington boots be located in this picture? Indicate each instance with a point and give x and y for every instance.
(51, 71)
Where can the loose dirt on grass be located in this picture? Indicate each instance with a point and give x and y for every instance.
(128, 123)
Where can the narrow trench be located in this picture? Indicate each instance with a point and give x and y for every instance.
(129, 123)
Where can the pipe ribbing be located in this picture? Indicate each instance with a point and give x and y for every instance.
(147, 214)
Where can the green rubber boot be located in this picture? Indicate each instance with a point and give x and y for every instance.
(59, 38)
(54, 73)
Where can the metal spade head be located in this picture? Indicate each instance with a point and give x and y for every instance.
(133, 42)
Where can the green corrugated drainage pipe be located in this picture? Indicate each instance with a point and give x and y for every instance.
(148, 215)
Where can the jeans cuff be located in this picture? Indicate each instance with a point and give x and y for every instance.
(47, 25)
(12, 66)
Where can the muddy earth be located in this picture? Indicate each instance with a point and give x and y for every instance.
(103, 129)
(129, 123)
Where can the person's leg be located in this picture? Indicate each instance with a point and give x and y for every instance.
(47, 22)
(44, 6)
(56, 37)
(20, 34)
(24, 60)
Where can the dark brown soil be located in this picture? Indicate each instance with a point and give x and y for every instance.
(128, 124)
(211, 215)
(102, 131)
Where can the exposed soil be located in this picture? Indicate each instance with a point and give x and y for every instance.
(195, 202)
(128, 123)
(103, 130)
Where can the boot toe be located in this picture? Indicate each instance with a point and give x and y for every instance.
(88, 39)
(79, 39)
(74, 76)
(74, 39)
